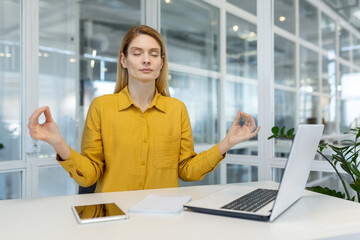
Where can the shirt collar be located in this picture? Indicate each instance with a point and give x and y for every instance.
(125, 101)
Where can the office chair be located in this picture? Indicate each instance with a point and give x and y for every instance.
(86, 190)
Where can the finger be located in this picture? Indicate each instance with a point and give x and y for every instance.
(250, 122)
(256, 131)
(47, 113)
(33, 120)
(237, 119)
(33, 133)
(247, 118)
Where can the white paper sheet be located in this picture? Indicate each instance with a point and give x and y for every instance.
(159, 204)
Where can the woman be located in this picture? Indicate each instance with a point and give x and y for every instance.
(139, 137)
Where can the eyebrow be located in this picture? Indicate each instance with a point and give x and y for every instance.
(151, 49)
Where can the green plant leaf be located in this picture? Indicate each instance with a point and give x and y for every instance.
(338, 149)
(338, 158)
(290, 132)
(275, 130)
(322, 146)
(355, 170)
(282, 131)
(273, 136)
(327, 191)
(354, 158)
(345, 167)
(356, 187)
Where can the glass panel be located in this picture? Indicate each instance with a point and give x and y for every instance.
(236, 173)
(10, 98)
(277, 174)
(200, 95)
(100, 39)
(349, 105)
(350, 83)
(309, 75)
(285, 109)
(344, 43)
(192, 29)
(57, 67)
(347, 82)
(284, 14)
(211, 178)
(328, 108)
(284, 61)
(249, 6)
(104, 30)
(356, 51)
(328, 30)
(55, 181)
(328, 76)
(309, 105)
(241, 47)
(241, 97)
(349, 114)
(285, 115)
(10, 185)
(308, 21)
(100, 36)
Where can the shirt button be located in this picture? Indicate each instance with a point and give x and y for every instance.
(143, 163)
(145, 140)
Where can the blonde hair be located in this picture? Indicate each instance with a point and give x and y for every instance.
(122, 77)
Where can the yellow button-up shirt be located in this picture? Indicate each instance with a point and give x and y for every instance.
(123, 148)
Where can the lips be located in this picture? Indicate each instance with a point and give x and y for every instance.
(146, 70)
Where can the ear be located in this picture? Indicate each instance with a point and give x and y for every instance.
(123, 60)
(162, 61)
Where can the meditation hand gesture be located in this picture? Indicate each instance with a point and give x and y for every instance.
(237, 133)
(48, 131)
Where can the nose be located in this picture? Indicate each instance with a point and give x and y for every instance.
(146, 58)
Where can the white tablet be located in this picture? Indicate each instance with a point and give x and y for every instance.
(98, 213)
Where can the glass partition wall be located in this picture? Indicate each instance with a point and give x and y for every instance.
(12, 174)
(213, 59)
(324, 63)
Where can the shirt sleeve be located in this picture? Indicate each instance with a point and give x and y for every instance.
(192, 166)
(86, 168)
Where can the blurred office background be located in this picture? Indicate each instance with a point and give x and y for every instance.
(64, 53)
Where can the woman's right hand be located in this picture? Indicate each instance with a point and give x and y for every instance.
(48, 131)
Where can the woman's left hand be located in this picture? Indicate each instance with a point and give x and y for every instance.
(237, 133)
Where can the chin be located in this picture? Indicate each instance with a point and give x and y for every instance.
(146, 80)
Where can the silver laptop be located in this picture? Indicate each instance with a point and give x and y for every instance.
(267, 204)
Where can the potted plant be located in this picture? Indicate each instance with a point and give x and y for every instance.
(344, 156)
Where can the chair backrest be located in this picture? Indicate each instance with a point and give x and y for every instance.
(86, 190)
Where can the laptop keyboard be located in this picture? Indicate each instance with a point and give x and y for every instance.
(252, 201)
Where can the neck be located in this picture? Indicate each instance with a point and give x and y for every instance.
(142, 93)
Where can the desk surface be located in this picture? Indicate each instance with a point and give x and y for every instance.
(314, 216)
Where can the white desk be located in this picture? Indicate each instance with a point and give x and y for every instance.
(315, 216)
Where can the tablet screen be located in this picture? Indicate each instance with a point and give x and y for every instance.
(98, 212)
